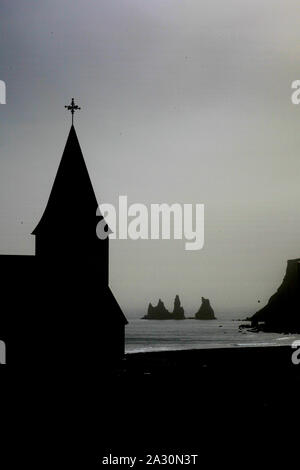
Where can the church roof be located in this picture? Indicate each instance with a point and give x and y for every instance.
(72, 195)
(109, 301)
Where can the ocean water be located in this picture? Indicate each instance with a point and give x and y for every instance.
(164, 335)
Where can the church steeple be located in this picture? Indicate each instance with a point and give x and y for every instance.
(66, 312)
(72, 192)
(68, 225)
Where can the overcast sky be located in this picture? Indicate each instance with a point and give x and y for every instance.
(182, 101)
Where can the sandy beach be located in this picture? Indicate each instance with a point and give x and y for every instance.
(191, 399)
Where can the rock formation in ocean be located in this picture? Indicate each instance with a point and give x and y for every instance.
(282, 312)
(158, 313)
(161, 313)
(205, 311)
(178, 311)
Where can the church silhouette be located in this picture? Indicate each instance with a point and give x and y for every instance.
(59, 309)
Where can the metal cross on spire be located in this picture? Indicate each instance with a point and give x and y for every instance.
(72, 107)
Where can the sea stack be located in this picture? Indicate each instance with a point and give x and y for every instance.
(282, 312)
(157, 313)
(205, 311)
(161, 313)
(178, 311)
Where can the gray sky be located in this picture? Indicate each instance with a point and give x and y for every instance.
(182, 101)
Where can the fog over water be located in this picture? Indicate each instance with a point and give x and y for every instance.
(185, 102)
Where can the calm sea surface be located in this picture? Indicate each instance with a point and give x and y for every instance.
(162, 335)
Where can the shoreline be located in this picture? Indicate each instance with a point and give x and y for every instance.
(204, 348)
(205, 390)
(198, 350)
(192, 362)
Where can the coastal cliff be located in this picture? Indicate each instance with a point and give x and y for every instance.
(282, 312)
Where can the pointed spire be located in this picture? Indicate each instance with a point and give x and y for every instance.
(72, 200)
